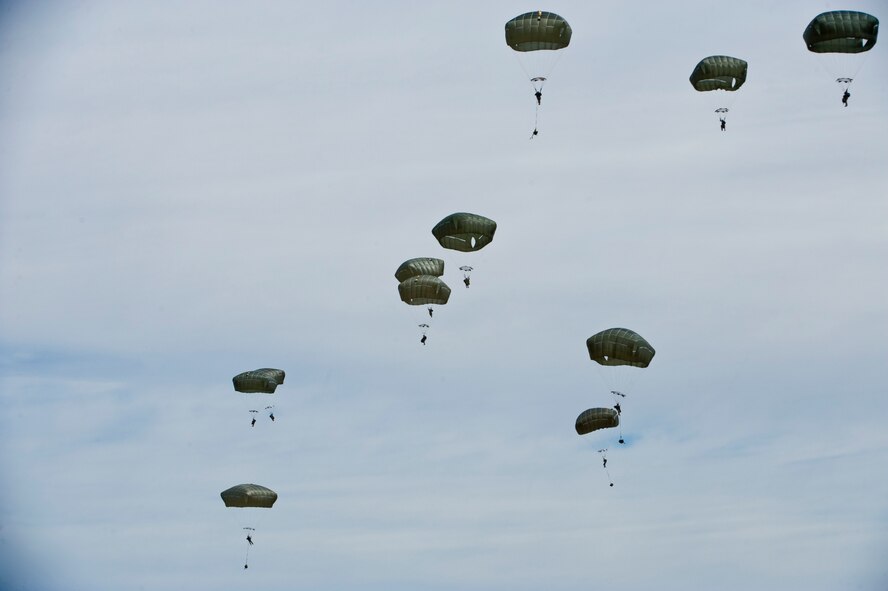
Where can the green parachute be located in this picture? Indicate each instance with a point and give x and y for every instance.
(424, 290)
(249, 495)
(465, 232)
(620, 346)
(618, 350)
(595, 419)
(538, 30)
(841, 31)
(837, 37)
(419, 266)
(421, 285)
(259, 381)
(537, 37)
(719, 72)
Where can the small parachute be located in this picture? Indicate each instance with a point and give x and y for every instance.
(467, 274)
(261, 381)
(419, 266)
(425, 332)
(465, 232)
(845, 81)
(620, 346)
(423, 290)
(595, 419)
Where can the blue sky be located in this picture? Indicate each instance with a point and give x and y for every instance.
(191, 191)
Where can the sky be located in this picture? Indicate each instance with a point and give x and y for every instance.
(192, 190)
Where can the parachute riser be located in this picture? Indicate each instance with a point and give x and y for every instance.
(842, 66)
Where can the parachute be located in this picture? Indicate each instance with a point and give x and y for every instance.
(536, 31)
(465, 232)
(258, 381)
(467, 274)
(620, 346)
(419, 266)
(249, 495)
(537, 37)
(263, 381)
(719, 72)
(595, 419)
(423, 290)
(618, 350)
(420, 285)
(837, 36)
(841, 31)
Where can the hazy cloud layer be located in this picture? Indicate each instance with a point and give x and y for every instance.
(188, 192)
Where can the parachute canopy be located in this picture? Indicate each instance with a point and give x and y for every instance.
(465, 231)
(719, 72)
(841, 31)
(423, 290)
(595, 419)
(620, 346)
(419, 266)
(263, 381)
(249, 495)
(534, 31)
